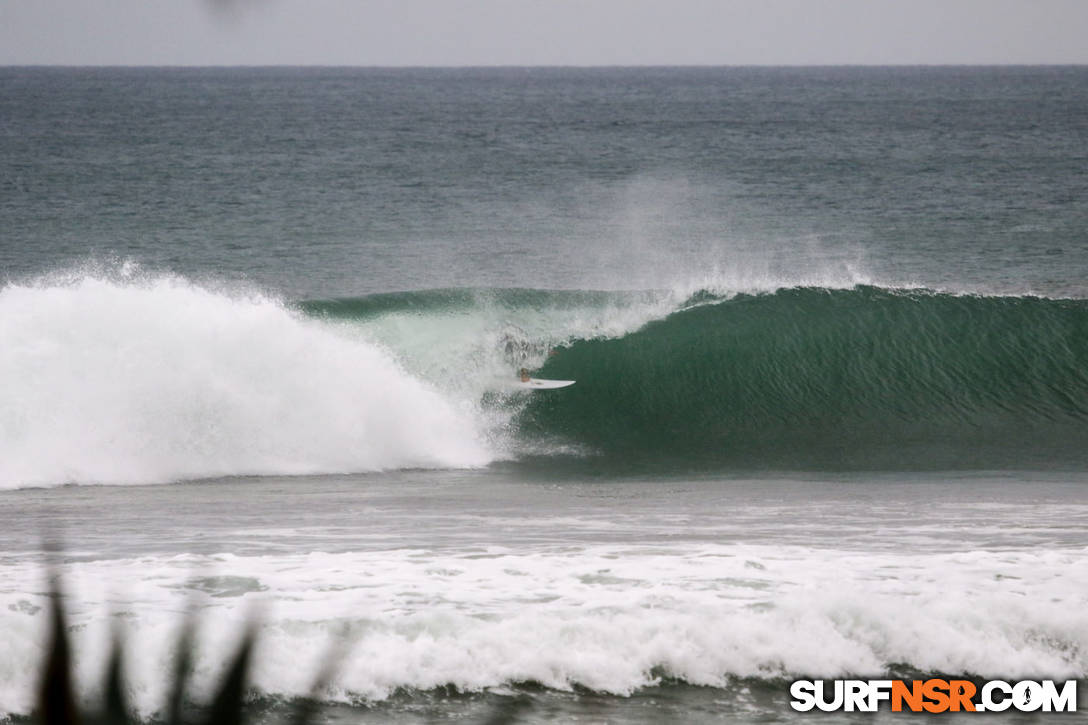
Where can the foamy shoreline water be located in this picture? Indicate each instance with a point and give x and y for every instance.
(609, 619)
(491, 583)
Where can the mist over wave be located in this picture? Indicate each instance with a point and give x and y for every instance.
(123, 380)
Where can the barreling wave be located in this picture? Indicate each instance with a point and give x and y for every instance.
(115, 379)
(862, 378)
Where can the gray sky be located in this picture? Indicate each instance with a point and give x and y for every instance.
(541, 32)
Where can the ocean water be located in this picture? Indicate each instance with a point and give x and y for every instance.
(829, 326)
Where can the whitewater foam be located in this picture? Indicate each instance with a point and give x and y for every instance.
(611, 618)
(153, 379)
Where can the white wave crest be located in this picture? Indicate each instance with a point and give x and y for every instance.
(114, 380)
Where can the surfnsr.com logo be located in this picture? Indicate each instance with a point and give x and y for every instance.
(934, 695)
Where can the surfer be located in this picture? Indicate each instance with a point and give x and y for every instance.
(524, 375)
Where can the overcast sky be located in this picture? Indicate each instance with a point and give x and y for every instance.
(541, 32)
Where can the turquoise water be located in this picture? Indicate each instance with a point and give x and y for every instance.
(828, 326)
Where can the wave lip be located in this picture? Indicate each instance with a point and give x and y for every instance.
(153, 380)
(833, 378)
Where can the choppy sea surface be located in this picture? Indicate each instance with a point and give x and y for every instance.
(259, 331)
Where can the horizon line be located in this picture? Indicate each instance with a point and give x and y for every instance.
(572, 66)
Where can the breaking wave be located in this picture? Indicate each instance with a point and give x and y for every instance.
(149, 380)
(855, 378)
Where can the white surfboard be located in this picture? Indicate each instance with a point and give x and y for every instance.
(541, 384)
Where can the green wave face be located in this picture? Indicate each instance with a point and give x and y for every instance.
(865, 378)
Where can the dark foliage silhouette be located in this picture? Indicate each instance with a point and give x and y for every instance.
(57, 703)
